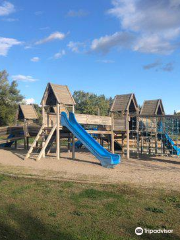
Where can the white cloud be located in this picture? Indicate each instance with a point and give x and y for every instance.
(23, 78)
(77, 13)
(155, 23)
(29, 101)
(52, 37)
(59, 54)
(153, 44)
(6, 44)
(75, 46)
(106, 43)
(35, 59)
(6, 8)
(147, 15)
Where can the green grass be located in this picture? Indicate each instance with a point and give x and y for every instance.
(36, 210)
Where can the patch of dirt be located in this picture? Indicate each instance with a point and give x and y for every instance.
(157, 172)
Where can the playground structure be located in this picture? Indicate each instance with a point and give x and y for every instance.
(59, 121)
(154, 133)
(142, 131)
(26, 127)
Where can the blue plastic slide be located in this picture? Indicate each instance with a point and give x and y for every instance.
(9, 144)
(167, 140)
(106, 158)
(171, 145)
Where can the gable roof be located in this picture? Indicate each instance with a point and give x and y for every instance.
(27, 112)
(55, 93)
(123, 103)
(152, 107)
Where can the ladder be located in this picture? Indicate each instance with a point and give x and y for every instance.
(44, 143)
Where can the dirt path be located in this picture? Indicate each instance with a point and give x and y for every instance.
(148, 172)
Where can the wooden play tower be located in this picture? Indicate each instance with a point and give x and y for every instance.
(56, 99)
(122, 110)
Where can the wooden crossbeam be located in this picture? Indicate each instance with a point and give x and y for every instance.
(98, 132)
(10, 140)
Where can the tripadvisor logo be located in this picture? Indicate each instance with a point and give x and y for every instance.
(140, 231)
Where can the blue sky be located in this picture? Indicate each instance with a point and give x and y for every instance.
(106, 47)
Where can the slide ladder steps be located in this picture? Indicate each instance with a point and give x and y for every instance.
(46, 141)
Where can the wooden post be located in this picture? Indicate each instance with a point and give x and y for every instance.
(57, 132)
(69, 144)
(142, 143)
(43, 122)
(112, 133)
(73, 140)
(156, 138)
(24, 142)
(149, 145)
(28, 143)
(16, 144)
(127, 133)
(122, 144)
(25, 130)
(43, 113)
(138, 139)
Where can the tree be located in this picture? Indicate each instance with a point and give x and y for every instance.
(39, 112)
(10, 97)
(90, 103)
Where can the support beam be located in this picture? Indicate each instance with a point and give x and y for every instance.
(137, 132)
(123, 144)
(16, 144)
(25, 130)
(43, 123)
(43, 114)
(127, 133)
(73, 140)
(112, 133)
(57, 132)
(69, 144)
(156, 138)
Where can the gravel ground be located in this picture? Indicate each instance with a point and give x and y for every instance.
(158, 172)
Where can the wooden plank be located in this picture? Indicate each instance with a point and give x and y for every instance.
(112, 133)
(120, 124)
(98, 132)
(93, 119)
(11, 140)
(57, 132)
(127, 133)
(73, 140)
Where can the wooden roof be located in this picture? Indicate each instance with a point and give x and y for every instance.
(152, 107)
(27, 112)
(125, 102)
(55, 93)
